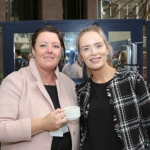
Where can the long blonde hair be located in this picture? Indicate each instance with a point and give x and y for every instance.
(101, 33)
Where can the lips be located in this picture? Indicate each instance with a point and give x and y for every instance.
(95, 59)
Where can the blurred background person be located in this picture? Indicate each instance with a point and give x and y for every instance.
(123, 57)
(115, 62)
(29, 57)
(19, 61)
(72, 68)
(25, 57)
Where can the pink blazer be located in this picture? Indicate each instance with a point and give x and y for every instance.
(22, 97)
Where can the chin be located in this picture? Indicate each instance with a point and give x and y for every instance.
(97, 68)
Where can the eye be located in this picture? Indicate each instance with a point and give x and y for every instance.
(98, 46)
(86, 48)
(55, 46)
(43, 45)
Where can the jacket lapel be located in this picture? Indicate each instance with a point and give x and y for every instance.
(44, 92)
(40, 86)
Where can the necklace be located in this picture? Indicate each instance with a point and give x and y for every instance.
(51, 82)
(46, 84)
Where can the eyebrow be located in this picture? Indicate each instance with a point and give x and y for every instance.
(94, 44)
(56, 43)
(43, 42)
(52, 43)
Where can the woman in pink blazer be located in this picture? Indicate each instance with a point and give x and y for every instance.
(32, 100)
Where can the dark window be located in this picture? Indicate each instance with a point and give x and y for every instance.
(73, 9)
(28, 10)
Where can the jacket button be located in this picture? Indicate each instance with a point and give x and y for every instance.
(73, 133)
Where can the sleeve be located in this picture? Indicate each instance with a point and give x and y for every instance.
(144, 104)
(12, 129)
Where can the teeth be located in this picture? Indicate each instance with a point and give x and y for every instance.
(95, 60)
(48, 57)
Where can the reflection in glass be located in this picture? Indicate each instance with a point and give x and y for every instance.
(71, 66)
(22, 51)
(70, 42)
(118, 41)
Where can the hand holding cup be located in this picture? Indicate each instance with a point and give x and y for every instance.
(54, 120)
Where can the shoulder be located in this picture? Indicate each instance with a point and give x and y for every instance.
(13, 82)
(123, 73)
(17, 76)
(124, 77)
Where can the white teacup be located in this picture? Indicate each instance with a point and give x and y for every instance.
(72, 112)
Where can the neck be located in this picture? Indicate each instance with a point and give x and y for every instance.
(48, 77)
(103, 75)
(50, 80)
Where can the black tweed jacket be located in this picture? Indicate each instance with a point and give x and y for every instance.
(130, 101)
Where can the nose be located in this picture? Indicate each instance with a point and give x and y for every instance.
(93, 50)
(49, 49)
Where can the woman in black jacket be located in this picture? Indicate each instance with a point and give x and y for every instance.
(115, 104)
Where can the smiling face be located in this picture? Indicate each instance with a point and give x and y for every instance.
(93, 50)
(47, 50)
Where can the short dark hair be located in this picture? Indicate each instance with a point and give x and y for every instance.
(48, 29)
(18, 52)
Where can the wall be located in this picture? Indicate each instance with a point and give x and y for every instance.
(91, 9)
(51, 10)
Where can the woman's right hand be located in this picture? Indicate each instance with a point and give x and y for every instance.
(54, 120)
